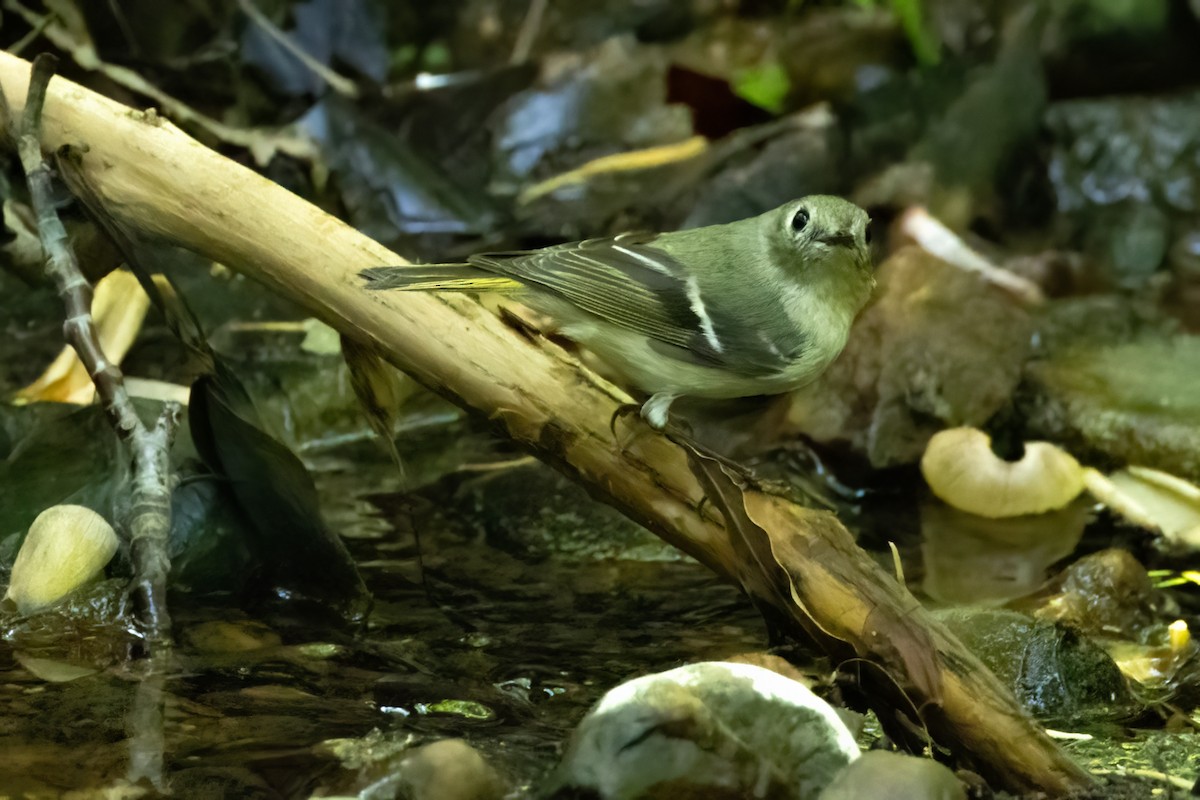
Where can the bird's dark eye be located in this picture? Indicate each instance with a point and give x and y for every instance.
(867, 233)
(799, 220)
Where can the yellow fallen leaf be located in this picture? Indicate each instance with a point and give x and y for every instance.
(118, 308)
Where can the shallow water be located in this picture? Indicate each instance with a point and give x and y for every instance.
(508, 646)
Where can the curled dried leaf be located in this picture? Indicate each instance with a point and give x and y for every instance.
(961, 468)
(1152, 499)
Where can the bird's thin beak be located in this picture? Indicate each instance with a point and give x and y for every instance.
(844, 239)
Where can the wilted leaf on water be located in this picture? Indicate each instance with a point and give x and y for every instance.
(275, 492)
(53, 670)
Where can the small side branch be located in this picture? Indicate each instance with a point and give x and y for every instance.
(149, 517)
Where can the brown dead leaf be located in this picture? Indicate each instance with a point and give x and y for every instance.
(874, 617)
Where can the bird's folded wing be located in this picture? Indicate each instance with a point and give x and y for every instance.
(626, 281)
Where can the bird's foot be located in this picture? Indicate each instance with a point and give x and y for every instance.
(623, 410)
(657, 410)
(654, 412)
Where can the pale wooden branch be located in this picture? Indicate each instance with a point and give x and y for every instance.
(160, 181)
(148, 521)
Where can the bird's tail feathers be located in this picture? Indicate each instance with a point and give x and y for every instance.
(437, 278)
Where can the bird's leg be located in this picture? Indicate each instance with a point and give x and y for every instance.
(656, 411)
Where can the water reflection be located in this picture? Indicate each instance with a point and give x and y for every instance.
(508, 649)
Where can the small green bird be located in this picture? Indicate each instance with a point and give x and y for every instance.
(758, 306)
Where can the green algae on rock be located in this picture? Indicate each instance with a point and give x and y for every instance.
(1136, 403)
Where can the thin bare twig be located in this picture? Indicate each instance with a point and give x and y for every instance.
(70, 36)
(340, 84)
(530, 27)
(149, 516)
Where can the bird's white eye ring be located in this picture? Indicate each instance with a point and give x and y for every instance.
(799, 220)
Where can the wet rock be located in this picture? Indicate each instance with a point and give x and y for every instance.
(709, 730)
(1061, 676)
(536, 511)
(881, 775)
(385, 766)
(1125, 174)
(938, 348)
(1131, 148)
(449, 770)
(1136, 403)
(1106, 593)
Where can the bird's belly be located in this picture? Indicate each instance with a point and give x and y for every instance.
(652, 371)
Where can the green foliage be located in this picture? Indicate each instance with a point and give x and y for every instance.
(765, 85)
(924, 44)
